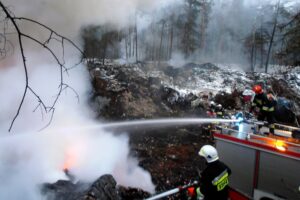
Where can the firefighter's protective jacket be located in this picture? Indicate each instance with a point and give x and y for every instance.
(219, 112)
(214, 181)
(264, 104)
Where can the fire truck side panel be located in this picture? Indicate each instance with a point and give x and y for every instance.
(279, 175)
(241, 160)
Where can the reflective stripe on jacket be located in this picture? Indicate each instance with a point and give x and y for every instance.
(257, 102)
(268, 109)
(221, 181)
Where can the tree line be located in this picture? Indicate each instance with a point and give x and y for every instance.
(273, 37)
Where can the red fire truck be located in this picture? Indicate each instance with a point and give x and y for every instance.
(264, 166)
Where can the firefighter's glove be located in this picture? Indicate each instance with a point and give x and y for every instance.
(200, 196)
(195, 193)
(191, 192)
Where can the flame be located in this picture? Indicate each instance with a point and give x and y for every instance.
(280, 145)
(70, 160)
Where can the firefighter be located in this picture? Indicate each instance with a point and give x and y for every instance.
(214, 181)
(219, 111)
(212, 109)
(214, 178)
(206, 128)
(263, 105)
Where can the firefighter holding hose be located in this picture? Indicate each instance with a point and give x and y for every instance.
(263, 105)
(213, 184)
(214, 180)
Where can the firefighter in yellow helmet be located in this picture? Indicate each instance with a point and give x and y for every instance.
(214, 179)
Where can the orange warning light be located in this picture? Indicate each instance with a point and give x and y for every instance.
(280, 145)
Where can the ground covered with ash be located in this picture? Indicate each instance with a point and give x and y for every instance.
(171, 155)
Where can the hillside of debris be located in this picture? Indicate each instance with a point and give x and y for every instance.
(145, 91)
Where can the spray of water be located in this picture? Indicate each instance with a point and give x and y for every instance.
(151, 123)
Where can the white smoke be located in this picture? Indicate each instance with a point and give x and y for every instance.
(31, 158)
(69, 15)
(28, 160)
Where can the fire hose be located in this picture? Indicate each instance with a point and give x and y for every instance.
(173, 191)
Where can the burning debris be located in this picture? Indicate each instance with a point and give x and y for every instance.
(103, 188)
(158, 151)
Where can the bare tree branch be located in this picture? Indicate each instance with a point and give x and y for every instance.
(24, 61)
(53, 35)
(51, 118)
(52, 31)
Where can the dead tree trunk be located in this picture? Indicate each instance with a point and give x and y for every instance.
(252, 58)
(136, 41)
(253, 50)
(272, 37)
(161, 40)
(126, 47)
(153, 41)
(132, 41)
(171, 38)
(104, 53)
(129, 42)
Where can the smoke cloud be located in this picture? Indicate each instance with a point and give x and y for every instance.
(69, 15)
(29, 158)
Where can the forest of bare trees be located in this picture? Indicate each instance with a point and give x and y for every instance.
(270, 35)
(184, 30)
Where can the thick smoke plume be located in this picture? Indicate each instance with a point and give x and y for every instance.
(68, 16)
(29, 158)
